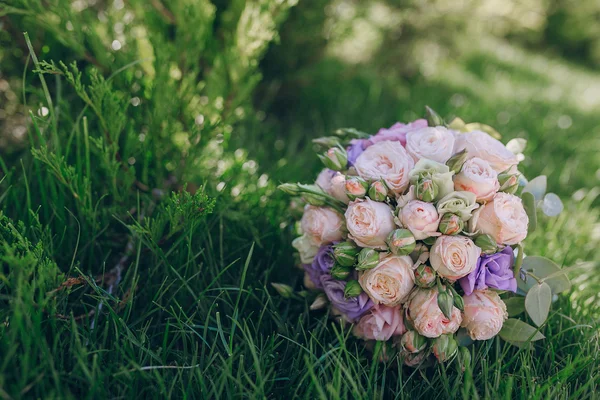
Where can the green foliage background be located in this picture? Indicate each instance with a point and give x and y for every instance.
(141, 143)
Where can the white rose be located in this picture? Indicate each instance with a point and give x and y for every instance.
(420, 218)
(390, 282)
(481, 145)
(484, 314)
(388, 161)
(454, 257)
(369, 223)
(426, 316)
(306, 248)
(504, 218)
(321, 225)
(433, 143)
(478, 177)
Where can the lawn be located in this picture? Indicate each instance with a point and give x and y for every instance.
(141, 226)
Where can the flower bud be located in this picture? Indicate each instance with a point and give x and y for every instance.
(335, 158)
(356, 187)
(401, 242)
(345, 253)
(444, 347)
(352, 289)
(487, 244)
(314, 199)
(339, 272)
(425, 276)
(464, 358)
(320, 302)
(445, 303)
(412, 342)
(283, 289)
(289, 188)
(433, 118)
(327, 141)
(456, 162)
(378, 191)
(426, 190)
(509, 183)
(458, 300)
(451, 224)
(367, 259)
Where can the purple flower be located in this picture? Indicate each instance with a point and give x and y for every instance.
(397, 132)
(492, 271)
(357, 146)
(321, 265)
(353, 307)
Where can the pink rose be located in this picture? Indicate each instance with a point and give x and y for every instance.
(369, 223)
(479, 178)
(388, 161)
(397, 132)
(324, 179)
(504, 218)
(481, 145)
(420, 218)
(381, 323)
(321, 225)
(426, 316)
(390, 282)
(454, 256)
(433, 143)
(333, 183)
(484, 314)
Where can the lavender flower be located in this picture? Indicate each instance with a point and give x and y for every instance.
(492, 271)
(321, 265)
(353, 307)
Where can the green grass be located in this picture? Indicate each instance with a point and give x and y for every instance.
(193, 314)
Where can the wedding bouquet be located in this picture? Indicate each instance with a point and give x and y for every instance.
(414, 236)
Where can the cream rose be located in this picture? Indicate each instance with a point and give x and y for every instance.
(426, 316)
(321, 225)
(369, 223)
(420, 218)
(454, 257)
(434, 143)
(504, 218)
(478, 177)
(381, 323)
(306, 248)
(481, 145)
(484, 314)
(390, 282)
(388, 161)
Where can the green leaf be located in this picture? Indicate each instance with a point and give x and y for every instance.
(529, 204)
(515, 330)
(546, 270)
(515, 305)
(538, 301)
(463, 338)
(537, 187)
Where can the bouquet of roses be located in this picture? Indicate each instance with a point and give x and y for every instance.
(414, 235)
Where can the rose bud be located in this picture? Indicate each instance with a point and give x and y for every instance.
(367, 259)
(290, 188)
(425, 276)
(283, 289)
(356, 187)
(345, 253)
(487, 244)
(445, 302)
(509, 183)
(458, 300)
(320, 302)
(378, 191)
(352, 289)
(451, 224)
(339, 272)
(335, 158)
(401, 242)
(426, 190)
(456, 162)
(445, 348)
(416, 360)
(412, 342)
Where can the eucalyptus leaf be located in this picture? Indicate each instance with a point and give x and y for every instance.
(537, 187)
(538, 301)
(514, 305)
(515, 330)
(546, 270)
(529, 205)
(552, 205)
(463, 338)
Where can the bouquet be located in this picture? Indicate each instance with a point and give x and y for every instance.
(415, 235)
